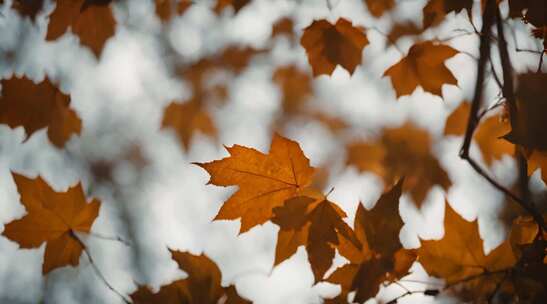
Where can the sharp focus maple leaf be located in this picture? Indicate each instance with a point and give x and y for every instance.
(378, 7)
(235, 4)
(167, 9)
(202, 286)
(459, 254)
(52, 218)
(265, 181)
(403, 151)
(28, 8)
(91, 20)
(329, 45)
(423, 66)
(382, 257)
(436, 10)
(186, 118)
(488, 134)
(36, 106)
(314, 222)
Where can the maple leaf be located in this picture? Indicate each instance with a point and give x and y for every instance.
(52, 217)
(314, 222)
(329, 45)
(265, 180)
(535, 11)
(167, 9)
(487, 135)
(284, 26)
(186, 118)
(403, 151)
(202, 286)
(381, 257)
(378, 7)
(36, 106)
(436, 10)
(402, 29)
(295, 86)
(423, 66)
(237, 5)
(25, 8)
(91, 20)
(459, 254)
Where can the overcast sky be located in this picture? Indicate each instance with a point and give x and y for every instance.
(166, 204)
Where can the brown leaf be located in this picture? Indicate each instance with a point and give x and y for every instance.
(36, 106)
(402, 29)
(487, 135)
(403, 151)
(91, 20)
(423, 66)
(316, 223)
(283, 27)
(329, 45)
(265, 180)
(202, 286)
(378, 7)
(188, 118)
(295, 86)
(459, 254)
(237, 5)
(27, 8)
(167, 9)
(436, 10)
(52, 217)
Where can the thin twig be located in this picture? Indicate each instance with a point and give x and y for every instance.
(110, 238)
(394, 43)
(97, 270)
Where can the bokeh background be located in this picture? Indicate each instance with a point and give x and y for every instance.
(155, 198)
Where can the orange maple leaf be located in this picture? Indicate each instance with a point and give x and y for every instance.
(237, 5)
(91, 20)
(436, 10)
(403, 151)
(315, 222)
(202, 286)
(167, 9)
(265, 180)
(423, 66)
(54, 218)
(329, 45)
(378, 7)
(459, 254)
(381, 257)
(36, 106)
(487, 135)
(26, 8)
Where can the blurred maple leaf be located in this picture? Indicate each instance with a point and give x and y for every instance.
(436, 10)
(423, 66)
(237, 5)
(378, 7)
(295, 86)
(265, 180)
(27, 8)
(402, 29)
(532, 11)
(311, 220)
(186, 119)
(528, 127)
(284, 26)
(52, 217)
(381, 257)
(403, 151)
(459, 254)
(487, 135)
(329, 45)
(167, 9)
(91, 20)
(36, 106)
(202, 286)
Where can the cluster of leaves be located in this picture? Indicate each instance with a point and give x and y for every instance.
(280, 186)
